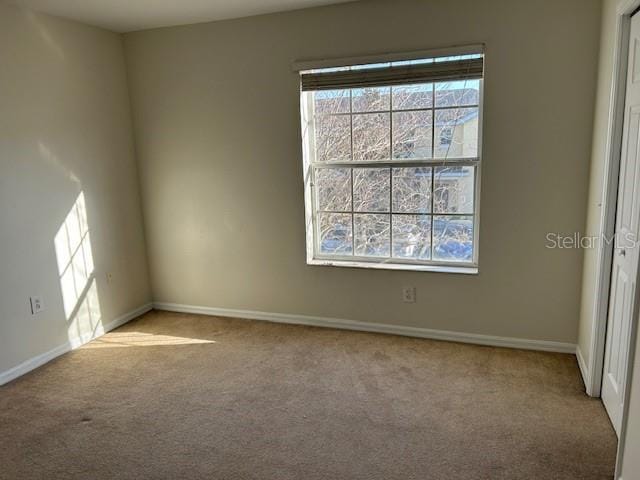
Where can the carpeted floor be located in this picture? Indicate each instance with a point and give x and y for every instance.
(174, 396)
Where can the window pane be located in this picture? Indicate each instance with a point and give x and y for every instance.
(412, 134)
(456, 134)
(333, 187)
(370, 99)
(329, 69)
(412, 190)
(371, 189)
(412, 236)
(335, 233)
(371, 136)
(418, 61)
(453, 189)
(453, 238)
(371, 235)
(454, 94)
(458, 57)
(333, 138)
(412, 96)
(332, 101)
(367, 66)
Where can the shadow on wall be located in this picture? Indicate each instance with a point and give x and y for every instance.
(76, 274)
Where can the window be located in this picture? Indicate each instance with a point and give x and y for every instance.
(446, 136)
(392, 162)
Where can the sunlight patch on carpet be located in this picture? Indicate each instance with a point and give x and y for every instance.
(141, 339)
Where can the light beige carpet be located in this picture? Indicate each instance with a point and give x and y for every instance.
(174, 396)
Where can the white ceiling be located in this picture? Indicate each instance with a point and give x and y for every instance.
(130, 15)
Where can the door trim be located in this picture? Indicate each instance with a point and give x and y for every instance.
(613, 150)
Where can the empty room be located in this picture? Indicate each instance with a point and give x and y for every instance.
(319, 239)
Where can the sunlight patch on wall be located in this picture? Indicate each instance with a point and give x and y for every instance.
(52, 159)
(141, 339)
(44, 33)
(76, 271)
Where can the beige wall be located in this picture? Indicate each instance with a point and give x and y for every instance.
(65, 129)
(217, 129)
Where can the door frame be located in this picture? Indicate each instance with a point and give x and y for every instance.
(609, 198)
(613, 149)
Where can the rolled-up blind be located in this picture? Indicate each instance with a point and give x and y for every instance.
(467, 69)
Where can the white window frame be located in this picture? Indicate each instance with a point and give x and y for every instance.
(314, 257)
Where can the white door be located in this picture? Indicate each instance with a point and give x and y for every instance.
(625, 255)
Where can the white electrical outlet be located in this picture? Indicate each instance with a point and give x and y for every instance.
(409, 294)
(37, 305)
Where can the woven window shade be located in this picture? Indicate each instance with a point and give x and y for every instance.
(468, 69)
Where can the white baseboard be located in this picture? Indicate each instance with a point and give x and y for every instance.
(542, 345)
(584, 370)
(71, 344)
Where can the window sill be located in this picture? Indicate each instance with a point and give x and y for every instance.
(468, 270)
